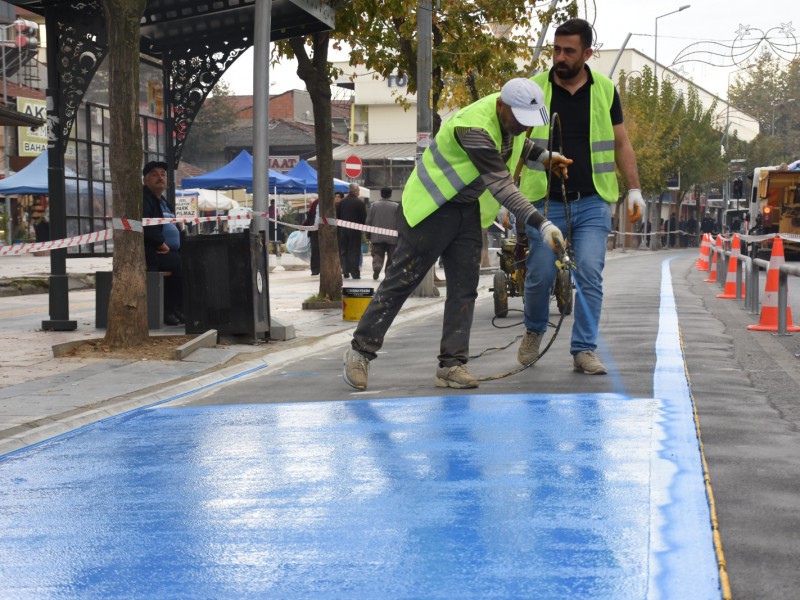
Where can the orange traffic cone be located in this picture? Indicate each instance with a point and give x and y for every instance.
(713, 277)
(729, 291)
(705, 250)
(769, 310)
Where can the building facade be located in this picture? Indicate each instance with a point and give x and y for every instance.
(384, 119)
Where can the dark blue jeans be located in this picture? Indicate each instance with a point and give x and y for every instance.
(589, 226)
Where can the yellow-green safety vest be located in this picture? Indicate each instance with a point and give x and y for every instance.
(445, 168)
(533, 183)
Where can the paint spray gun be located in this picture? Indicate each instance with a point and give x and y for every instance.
(564, 261)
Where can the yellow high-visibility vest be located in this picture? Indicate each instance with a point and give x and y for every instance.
(445, 168)
(533, 183)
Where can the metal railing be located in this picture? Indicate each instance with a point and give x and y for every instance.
(748, 269)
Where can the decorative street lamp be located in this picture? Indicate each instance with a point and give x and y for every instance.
(655, 53)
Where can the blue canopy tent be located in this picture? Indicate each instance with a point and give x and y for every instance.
(33, 180)
(30, 180)
(238, 174)
(306, 173)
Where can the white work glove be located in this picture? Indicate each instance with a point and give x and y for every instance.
(552, 234)
(635, 205)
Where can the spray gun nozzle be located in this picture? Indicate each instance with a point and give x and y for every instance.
(563, 261)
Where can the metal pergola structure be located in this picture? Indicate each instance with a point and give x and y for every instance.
(193, 41)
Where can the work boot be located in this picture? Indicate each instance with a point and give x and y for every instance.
(356, 369)
(529, 348)
(455, 377)
(587, 362)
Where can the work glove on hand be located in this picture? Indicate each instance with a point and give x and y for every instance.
(551, 234)
(635, 205)
(559, 161)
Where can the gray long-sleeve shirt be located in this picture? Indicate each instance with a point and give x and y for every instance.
(494, 174)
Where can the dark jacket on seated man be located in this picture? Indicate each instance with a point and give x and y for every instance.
(162, 243)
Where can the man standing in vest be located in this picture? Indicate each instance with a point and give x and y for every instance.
(441, 215)
(594, 136)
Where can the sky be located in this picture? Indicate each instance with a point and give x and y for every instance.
(704, 21)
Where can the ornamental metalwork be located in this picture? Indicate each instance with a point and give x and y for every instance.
(81, 47)
(748, 43)
(193, 72)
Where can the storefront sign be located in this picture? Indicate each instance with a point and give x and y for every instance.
(32, 140)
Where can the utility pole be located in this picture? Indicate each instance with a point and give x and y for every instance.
(424, 74)
(427, 288)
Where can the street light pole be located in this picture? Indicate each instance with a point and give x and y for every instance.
(655, 53)
(6, 159)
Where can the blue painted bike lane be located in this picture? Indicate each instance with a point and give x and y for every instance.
(482, 496)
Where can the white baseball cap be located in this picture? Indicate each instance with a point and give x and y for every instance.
(526, 100)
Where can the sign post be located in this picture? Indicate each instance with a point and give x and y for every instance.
(353, 166)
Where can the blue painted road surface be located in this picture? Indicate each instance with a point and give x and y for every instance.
(473, 496)
(456, 497)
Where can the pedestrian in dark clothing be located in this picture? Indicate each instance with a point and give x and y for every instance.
(707, 225)
(313, 235)
(162, 243)
(383, 214)
(351, 209)
(672, 227)
(691, 230)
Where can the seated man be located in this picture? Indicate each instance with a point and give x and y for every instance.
(162, 243)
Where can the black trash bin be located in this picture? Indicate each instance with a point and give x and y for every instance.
(225, 284)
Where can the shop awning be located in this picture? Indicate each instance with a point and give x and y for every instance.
(12, 118)
(376, 152)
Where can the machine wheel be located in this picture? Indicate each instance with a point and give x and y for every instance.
(500, 295)
(563, 291)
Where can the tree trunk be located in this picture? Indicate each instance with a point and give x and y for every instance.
(314, 72)
(127, 310)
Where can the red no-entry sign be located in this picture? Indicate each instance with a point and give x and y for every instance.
(352, 166)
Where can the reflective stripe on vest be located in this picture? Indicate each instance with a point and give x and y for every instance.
(533, 183)
(445, 168)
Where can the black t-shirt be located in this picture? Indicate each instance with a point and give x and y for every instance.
(574, 114)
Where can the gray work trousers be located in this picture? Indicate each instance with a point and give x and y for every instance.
(452, 232)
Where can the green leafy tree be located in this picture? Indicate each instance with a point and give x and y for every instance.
(769, 90)
(475, 48)
(214, 120)
(650, 119)
(672, 134)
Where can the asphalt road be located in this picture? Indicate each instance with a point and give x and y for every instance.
(745, 385)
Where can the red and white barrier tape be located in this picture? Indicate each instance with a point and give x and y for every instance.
(89, 238)
(131, 225)
(126, 224)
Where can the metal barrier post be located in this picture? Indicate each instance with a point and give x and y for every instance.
(745, 260)
(758, 264)
(739, 278)
(783, 301)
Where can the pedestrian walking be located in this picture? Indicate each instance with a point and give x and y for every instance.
(351, 209)
(383, 214)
